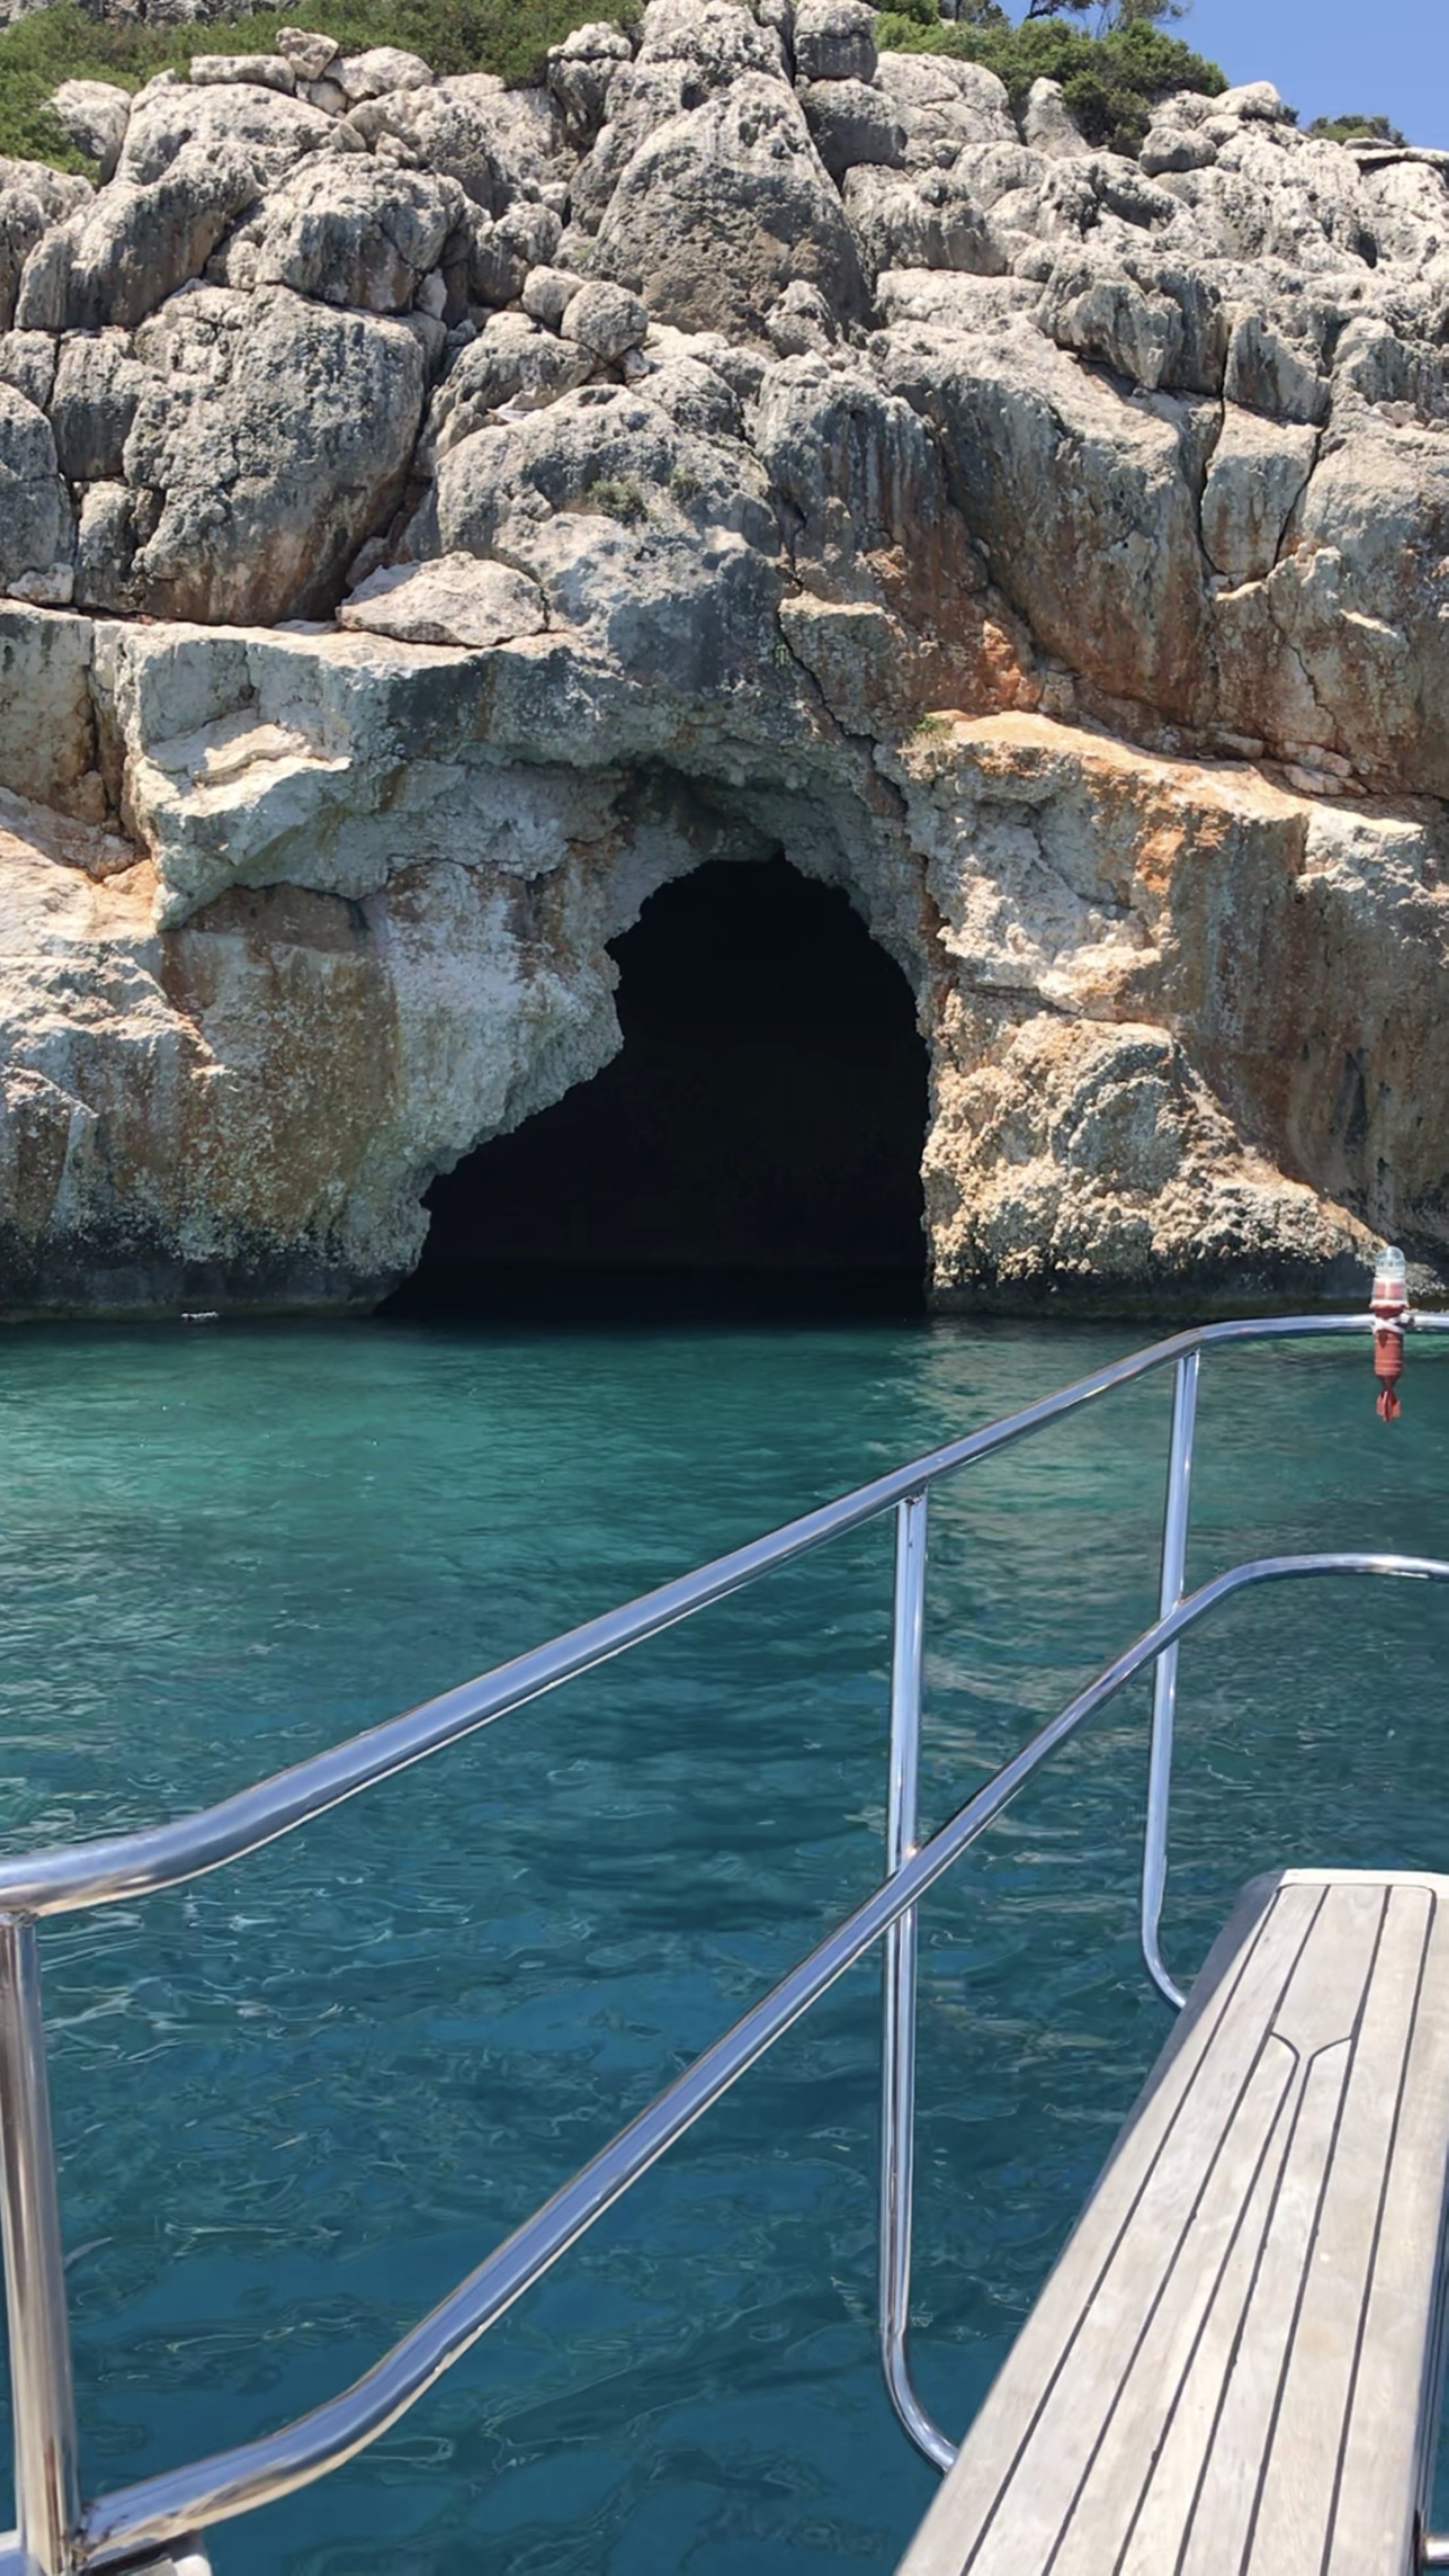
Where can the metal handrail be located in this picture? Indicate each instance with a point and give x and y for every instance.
(232, 2482)
(54, 2535)
(138, 1864)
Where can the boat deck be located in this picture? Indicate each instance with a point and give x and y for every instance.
(1234, 2365)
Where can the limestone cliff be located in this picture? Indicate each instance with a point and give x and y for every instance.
(433, 516)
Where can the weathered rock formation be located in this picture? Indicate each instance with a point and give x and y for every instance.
(432, 517)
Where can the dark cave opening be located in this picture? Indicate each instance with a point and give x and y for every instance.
(754, 1147)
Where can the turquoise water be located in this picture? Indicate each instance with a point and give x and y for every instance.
(297, 2101)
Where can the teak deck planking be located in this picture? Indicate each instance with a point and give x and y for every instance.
(1232, 2370)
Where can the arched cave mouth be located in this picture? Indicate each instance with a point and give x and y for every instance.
(754, 1147)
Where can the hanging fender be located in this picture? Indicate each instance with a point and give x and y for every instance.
(1389, 1306)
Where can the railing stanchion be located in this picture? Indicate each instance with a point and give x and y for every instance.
(47, 2492)
(898, 2038)
(1176, 1516)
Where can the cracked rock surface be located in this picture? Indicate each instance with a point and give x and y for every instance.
(432, 516)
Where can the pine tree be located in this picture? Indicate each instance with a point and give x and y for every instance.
(1111, 13)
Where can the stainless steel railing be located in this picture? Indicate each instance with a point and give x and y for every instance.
(55, 2532)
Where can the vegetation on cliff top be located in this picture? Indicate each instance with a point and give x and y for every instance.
(1373, 129)
(510, 37)
(1111, 81)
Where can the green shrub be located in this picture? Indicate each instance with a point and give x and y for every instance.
(510, 37)
(615, 499)
(1337, 129)
(1111, 82)
(925, 13)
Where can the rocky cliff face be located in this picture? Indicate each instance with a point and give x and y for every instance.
(431, 517)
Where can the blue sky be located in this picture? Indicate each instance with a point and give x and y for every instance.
(1329, 56)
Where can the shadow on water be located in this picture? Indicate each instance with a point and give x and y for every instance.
(753, 1150)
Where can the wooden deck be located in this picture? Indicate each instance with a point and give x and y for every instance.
(1233, 2369)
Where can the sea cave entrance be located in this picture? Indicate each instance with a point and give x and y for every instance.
(755, 1146)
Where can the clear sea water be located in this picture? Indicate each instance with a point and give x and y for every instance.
(297, 2101)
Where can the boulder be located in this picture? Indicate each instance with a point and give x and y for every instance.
(643, 97)
(943, 106)
(48, 752)
(355, 232)
(32, 199)
(690, 51)
(310, 55)
(606, 321)
(653, 546)
(32, 497)
(853, 124)
(1085, 501)
(1106, 314)
(271, 132)
(503, 253)
(97, 386)
(580, 72)
(95, 115)
(453, 600)
(56, 192)
(513, 362)
(722, 207)
(28, 361)
(717, 39)
(611, 453)
(499, 144)
(1256, 102)
(1266, 373)
(1049, 126)
(316, 413)
(256, 71)
(919, 220)
(801, 323)
(119, 257)
(695, 397)
(1259, 473)
(1407, 205)
(1167, 147)
(834, 40)
(547, 294)
(1155, 319)
(378, 72)
(525, 131)
(449, 136)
